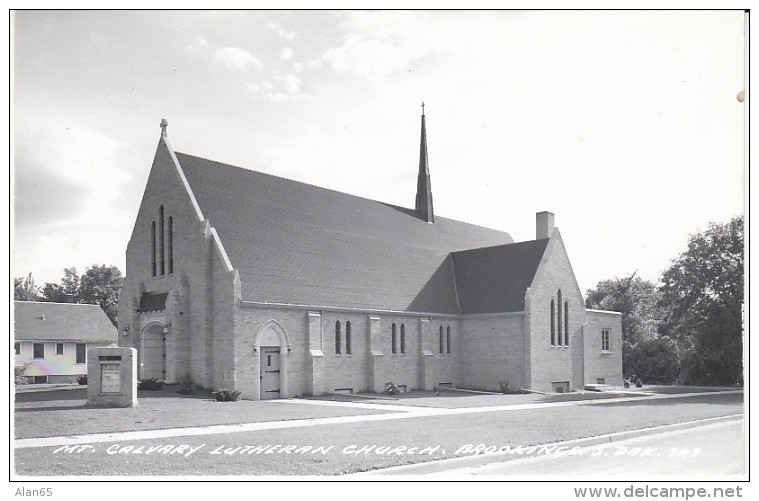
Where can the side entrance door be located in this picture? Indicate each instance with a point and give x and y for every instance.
(269, 373)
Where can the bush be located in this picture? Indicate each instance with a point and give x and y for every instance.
(82, 379)
(503, 387)
(391, 388)
(18, 373)
(225, 395)
(187, 386)
(150, 384)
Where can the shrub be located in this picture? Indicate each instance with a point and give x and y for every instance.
(225, 395)
(391, 388)
(187, 386)
(82, 379)
(150, 384)
(18, 373)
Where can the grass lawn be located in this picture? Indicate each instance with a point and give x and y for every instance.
(61, 413)
(443, 434)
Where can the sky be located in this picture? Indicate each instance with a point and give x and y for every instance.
(626, 125)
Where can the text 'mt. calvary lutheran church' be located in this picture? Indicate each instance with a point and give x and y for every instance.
(277, 288)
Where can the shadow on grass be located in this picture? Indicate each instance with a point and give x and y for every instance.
(52, 408)
(726, 399)
(42, 396)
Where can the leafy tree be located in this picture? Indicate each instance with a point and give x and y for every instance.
(653, 360)
(68, 287)
(702, 297)
(637, 299)
(24, 289)
(101, 285)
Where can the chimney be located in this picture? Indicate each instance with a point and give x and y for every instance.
(543, 225)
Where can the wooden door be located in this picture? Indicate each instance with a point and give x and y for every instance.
(269, 373)
(153, 355)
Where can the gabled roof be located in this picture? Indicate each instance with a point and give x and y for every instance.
(495, 279)
(85, 323)
(295, 243)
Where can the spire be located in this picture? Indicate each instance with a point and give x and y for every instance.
(423, 185)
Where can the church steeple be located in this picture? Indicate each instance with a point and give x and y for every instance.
(423, 185)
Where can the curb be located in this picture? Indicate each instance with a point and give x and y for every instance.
(482, 459)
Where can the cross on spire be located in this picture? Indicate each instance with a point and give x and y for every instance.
(422, 108)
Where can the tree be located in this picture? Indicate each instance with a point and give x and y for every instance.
(101, 285)
(68, 288)
(702, 301)
(24, 289)
(637, 299)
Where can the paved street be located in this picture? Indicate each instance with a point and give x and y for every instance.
(709, 452)
(170, 435)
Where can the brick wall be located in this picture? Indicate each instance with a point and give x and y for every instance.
(549, 363)
(600, 363)
(491, 351)
(199, 319)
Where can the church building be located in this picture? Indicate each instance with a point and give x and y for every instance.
(276, 288)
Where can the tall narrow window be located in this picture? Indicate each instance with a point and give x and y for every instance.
(171, 245)
(605, 344)
(337, 337)
(558, 318)
(403, 338)
(553, 324)
(81, 353)
(441, 341)
(566, 323)
(59, 348)
(348, 338)
(394, 340)
(39, 350)
(448, 340)
(17, 348)
(160, 238)
(152, 247)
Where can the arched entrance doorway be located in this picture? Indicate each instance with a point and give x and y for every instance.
(153, 353)
(272, 348)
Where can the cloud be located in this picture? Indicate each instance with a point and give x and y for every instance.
(237, 59)
(282, 88)
(286, 53)
(280, 31)
(298, 67)
(197, 45)
(377, 44)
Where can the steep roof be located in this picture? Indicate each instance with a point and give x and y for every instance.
(38, 321)
(296, 243)
(494, 279)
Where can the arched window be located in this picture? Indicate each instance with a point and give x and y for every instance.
(161, 236)
(171, 245)
(337, 337)
(566, 323)
(348, 337)
(403, 338)
(441, 341)
(448, 340)
(558, 318)
(553, 324)
(152, 247)
(394, 341)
